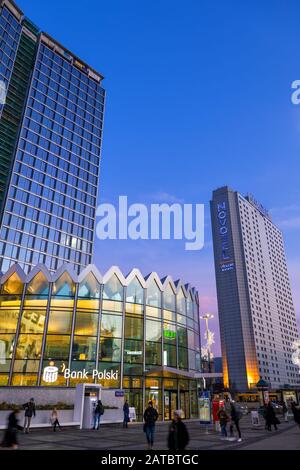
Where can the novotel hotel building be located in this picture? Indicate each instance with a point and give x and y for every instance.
(258, 325)
(140, 335)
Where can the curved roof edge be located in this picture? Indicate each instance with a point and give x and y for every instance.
(102, 279)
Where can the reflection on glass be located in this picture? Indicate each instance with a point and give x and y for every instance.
(31, 366)
(33, 321)
(153, 330)
(111, 326)
(113, 289)
(133, 351)
(181, 302)
(183, 358)
(169, 357)
(89, 287)
(169, 298)
(24, 380)
(13, 285)
(39, 285)
(8, 321)
(29, 346)
(135, 292)
(57, 347)
(64, 286)
(153, 353)
(112, 305)
(86, 324)
(110, 350)
(6, 347)
(60, 321)
(153, 312)
(153, 297)
(84, 348)
(134, 327)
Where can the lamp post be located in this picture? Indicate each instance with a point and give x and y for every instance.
(206, 317)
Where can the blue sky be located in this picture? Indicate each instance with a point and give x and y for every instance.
(198, 96)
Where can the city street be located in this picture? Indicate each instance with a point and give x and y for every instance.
(113, 437)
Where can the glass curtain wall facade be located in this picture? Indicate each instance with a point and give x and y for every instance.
(144, 330)
(51, 136)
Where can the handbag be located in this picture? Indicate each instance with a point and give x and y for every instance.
(144, 427)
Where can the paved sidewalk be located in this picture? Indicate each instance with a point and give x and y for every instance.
(113, 437)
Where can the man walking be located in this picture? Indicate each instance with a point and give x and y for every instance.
(235, 415)
(29, 408)
(126, 414)
(99, 411)
(150, 418)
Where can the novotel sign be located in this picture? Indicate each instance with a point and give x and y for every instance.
(223, 231)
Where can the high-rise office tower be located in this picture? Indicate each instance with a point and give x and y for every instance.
(50, 148)
(256, 312)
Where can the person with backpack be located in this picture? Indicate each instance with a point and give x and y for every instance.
(235, 416)
(29, 408)
(150, 418)
(98, 412)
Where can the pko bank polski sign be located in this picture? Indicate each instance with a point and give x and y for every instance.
(50, 374)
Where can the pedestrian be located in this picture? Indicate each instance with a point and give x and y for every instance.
(29, 408)
(178, 437)
(150, 418)
(10, 436)
(54, 420)
(126, 414)
(235, 416)
(296, 413)
(271, 418)
(223, 418)
(284, 411)
(98, 412)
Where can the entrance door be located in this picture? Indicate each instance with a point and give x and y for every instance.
(185, 404)
(171, 404)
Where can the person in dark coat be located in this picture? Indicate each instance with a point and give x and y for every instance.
(270, 417)
(296, 413)
(10, 436)
(178, 437)
(29, 408)
(150, 418)
(235, 416)
(126, 414)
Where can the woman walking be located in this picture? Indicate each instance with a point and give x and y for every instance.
(54, 420)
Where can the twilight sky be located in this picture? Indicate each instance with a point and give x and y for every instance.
(198, 96)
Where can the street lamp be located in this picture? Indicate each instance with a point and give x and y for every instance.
(206, 317)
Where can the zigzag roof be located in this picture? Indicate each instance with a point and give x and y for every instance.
(102, 279)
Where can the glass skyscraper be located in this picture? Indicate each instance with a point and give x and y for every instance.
(258, 326)
(50, 148)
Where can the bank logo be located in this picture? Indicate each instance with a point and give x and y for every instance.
(50, 374)
(2, 92)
